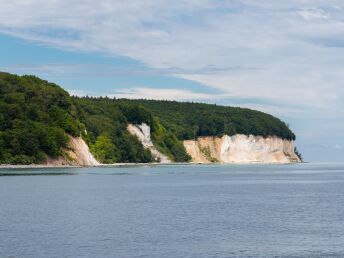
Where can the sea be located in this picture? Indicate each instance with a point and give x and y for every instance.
(173, 211)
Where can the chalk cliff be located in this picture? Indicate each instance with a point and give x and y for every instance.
(143, 134)
(77, 154)
(241, 149)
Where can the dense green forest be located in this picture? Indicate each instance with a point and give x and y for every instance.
(188, 120)
(106, 120)
(36, 118)
(106, 132)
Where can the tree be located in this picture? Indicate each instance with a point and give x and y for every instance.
(105, 150)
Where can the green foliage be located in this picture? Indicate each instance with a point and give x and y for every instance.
(111, 117)
(167, 143)
(104, 116)
(298, 153)
(34, 116)
(104, 150)
(189, 120)
(136, 114)
(207, 153)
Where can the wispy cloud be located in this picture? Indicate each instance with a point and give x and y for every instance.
(162, 94)
(339, 147)
(98, 69)
(244, 48)
(314, 13)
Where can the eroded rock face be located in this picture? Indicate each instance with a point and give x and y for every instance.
(241, 149)
(81, 152)
(142, 132)
(78, 154)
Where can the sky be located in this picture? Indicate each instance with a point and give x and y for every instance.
(285, 58)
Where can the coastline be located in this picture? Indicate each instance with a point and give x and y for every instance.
(37, 166)
(115, 165)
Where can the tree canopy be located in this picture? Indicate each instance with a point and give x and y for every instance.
(188, 120)
(36, 118)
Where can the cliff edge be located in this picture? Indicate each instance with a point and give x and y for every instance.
(142, 132)
(40, 123)
(77, 154)
(241, 149)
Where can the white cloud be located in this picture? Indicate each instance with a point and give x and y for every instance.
(339, 147)
(308, 88)
(162, 94)
(314, 13)
(286, 40)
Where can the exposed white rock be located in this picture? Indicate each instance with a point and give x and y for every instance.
(81, 152)
(143, 134)
(77, 154)
(241, 149)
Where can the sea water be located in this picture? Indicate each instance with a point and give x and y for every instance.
(173, 211)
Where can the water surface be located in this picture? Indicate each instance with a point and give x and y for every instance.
(173, 211)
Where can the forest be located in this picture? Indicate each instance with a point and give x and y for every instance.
(189, 120)
(37, 117)
(106, 120)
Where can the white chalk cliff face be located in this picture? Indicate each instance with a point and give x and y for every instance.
(143, 134)
(241, 149)
(77, 154)
(81, 152)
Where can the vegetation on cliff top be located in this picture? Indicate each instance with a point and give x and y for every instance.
(36, 116)
(107, 119)
(188, 120)
(107, 132)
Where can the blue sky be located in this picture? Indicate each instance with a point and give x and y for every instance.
(281, 57)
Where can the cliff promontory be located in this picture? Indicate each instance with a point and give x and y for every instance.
(40, 123)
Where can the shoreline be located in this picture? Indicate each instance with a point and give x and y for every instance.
(37, 166)
(116, 165)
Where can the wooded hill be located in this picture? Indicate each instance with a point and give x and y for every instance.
(189, 120)
(36, 116)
